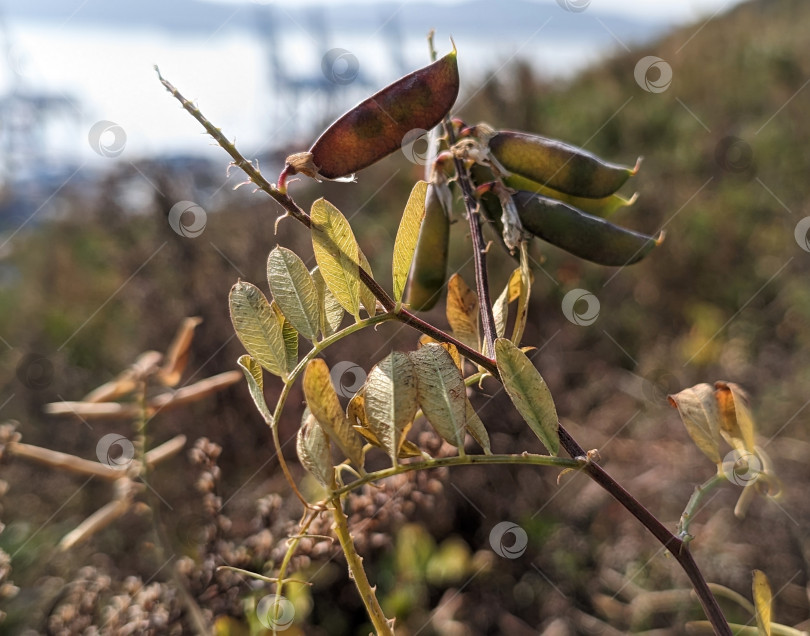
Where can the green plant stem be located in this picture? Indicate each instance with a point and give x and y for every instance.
(358, 573)
(463, 460)
(291, 548)
(693, 503)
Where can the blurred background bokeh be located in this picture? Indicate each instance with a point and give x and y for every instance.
(94, 153)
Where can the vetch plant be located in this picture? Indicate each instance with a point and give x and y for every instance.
(520, 184)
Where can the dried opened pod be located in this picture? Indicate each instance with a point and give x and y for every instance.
(376, 127)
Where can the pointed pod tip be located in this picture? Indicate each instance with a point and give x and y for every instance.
(637, 167)
(632, 199)
(659, 238)
(454, 52)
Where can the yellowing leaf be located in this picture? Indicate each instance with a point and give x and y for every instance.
(294, 291)
(356, 412)
(367, 297)
(255, 380)
(407, 237)
(476, 428)
(697, 407)
(500, 308)
(337, 253)
(290, 336)
(331, 311)
(529, 393)
(524, 281)
(391, 401)
(736, 422)
(762, 602)
(312, 446)
(450, 348)
(324, 404)
(257, 327)
(462, 311)
(442, 393)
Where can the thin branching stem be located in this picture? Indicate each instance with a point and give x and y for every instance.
(357, 571)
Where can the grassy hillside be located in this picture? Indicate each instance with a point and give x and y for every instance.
(726, 297)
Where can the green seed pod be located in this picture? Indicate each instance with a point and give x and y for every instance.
(429, 268)
(603, 207)
(376, 127)
(557, 165)
(581, 234)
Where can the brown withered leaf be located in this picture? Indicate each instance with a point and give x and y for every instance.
(462, 311)
(736, 421)
(324, 404)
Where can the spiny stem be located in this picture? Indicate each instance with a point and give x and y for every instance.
(357, 571)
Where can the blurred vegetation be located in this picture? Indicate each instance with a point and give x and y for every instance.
(725, 297)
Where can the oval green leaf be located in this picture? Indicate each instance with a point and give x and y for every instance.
(257, 327)
(330, 310)
(337, 254)
(312, 446)
(529, 393)
(442, 394)
(429, 268)
(477, 430)
(407, 237)
(294, 291)
(255, 381)
(391, 401)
